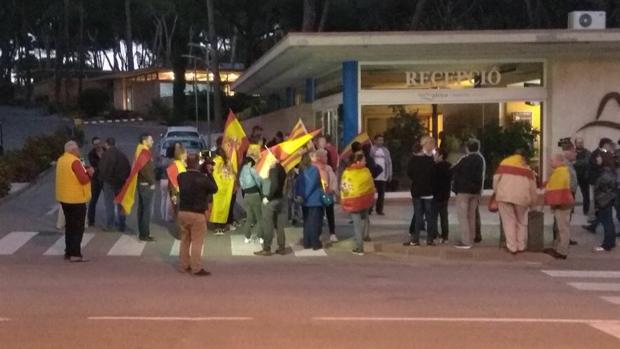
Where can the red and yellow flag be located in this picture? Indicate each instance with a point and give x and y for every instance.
(173, 171)
(281, 152)
(357, 189)
(557, 189)
(515, 165)
(294, 160)
(234, 141)
(361, 138)
(126, 197)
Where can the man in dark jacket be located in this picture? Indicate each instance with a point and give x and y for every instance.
(195, 189)
(114, 169)
(274, 210)
(582, 167)
(441, 192)
(421, 171)
(94, 156)
(605, 145)
(468, 177)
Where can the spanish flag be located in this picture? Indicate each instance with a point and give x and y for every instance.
(173, 171)
(361, 138)
(515, 165)
(281, 152)
(557, 189)
(294, 160)
(225, 177)
(126, 197)
(357, 189)
(234, 142)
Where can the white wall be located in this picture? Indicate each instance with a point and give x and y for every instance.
(576, 89)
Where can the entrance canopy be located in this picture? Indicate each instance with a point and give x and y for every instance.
(301, 56)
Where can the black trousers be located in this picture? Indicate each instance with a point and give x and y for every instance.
(584, 188)
(96, 187)
(380, 186)
(331, 219)
(440, 211)
(75, 214)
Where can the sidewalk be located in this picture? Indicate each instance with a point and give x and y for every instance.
(390, 231)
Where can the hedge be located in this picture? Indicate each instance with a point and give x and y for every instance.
(35, 157)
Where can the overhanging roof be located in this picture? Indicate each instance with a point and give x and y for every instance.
(310, 55)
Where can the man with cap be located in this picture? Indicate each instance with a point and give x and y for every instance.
(251, 186)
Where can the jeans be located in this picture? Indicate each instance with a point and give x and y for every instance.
(423, 211)
(584, 187)
(440, 212)
(361, 227)
(313, 227)
(145, 203)
(274, 218)
(605, 217)
(112, 210)
(74, 228)
(618, 204)
(95, 189)
(380, 186)
(331, 219)
(254, 215)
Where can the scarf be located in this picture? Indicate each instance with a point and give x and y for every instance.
(515, 165)
(557, 188)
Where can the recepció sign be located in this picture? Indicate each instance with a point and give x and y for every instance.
(491, 77)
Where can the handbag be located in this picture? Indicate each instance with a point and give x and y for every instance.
(327, 199)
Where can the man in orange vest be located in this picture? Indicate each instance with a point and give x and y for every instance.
(73, 192)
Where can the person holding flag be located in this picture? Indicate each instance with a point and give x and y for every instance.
(173, 171)
(142, 180)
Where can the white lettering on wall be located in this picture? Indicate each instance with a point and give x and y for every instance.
(444, 78)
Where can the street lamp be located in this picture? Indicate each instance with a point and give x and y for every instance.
(207, 62)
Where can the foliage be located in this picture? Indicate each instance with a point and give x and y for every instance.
(5, 180)
(499, 142)
(400, 137)
(160, 110)
(93, 101)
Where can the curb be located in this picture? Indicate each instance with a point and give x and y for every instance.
(116, 121)
(17, 193)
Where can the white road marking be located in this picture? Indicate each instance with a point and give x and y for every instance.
(299, 251)
(171, 318)
(614, 300)
(53, 210)
(596, 286)
(13, 241)
(239, 248)
(176, 246)
(58, 248)
(612, 329)
(4, 319)
(127, 246)
(602, 274)
(469, 319)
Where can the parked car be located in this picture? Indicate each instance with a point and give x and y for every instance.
(189, 137)
(181, 132)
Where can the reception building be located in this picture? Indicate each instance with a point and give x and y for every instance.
(564, 82)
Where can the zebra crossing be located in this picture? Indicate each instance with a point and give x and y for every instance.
(602, 283)
(122, 245)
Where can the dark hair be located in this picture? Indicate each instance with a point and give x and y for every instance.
(357, 156)
(379, 136)
(193, 162)
(219, 141)
(279, 134)
(604, 141)
(257, 127)
(356, 146)
(608, 160)
(144, 137)
(443, 152)
(473, 145)
(111, 141)
(95, 139)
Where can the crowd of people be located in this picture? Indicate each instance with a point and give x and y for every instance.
(201, 189)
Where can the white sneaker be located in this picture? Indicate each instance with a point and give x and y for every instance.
(333, 238)
(599, 249)
(260, 241)
(247, 240)
(232, 227)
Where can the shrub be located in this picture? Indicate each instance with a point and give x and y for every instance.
(93, 101)
(5, 180)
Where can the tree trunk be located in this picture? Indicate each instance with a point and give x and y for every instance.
(81, 57)
(128, 35)
(215, 68)
(417, 14)
(324, 14)
(309, 18)
(233, 46)
(178, 88)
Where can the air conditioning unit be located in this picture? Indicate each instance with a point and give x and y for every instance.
(586, 20)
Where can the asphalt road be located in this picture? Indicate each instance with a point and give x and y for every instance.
(330, 300)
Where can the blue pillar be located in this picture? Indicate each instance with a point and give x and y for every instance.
(350, 100)
(310, 90)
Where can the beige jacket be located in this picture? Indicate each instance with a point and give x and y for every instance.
(515, 189)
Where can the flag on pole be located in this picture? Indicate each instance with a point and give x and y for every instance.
(299, 130)
(281, 152)
(234, 141)
(126, 197)
(361, 138)
(294, 160)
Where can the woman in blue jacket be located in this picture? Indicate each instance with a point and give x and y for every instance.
(313, 204)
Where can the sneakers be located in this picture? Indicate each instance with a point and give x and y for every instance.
(443, 241)
(462, 246)
(261, 241)
(358, 252)
(411, 243)
(219, 232)
(201, 272)
(333, 238)
(147, 238)
(247, 240)
(263, 253)
(232, 227)
(599, 249)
